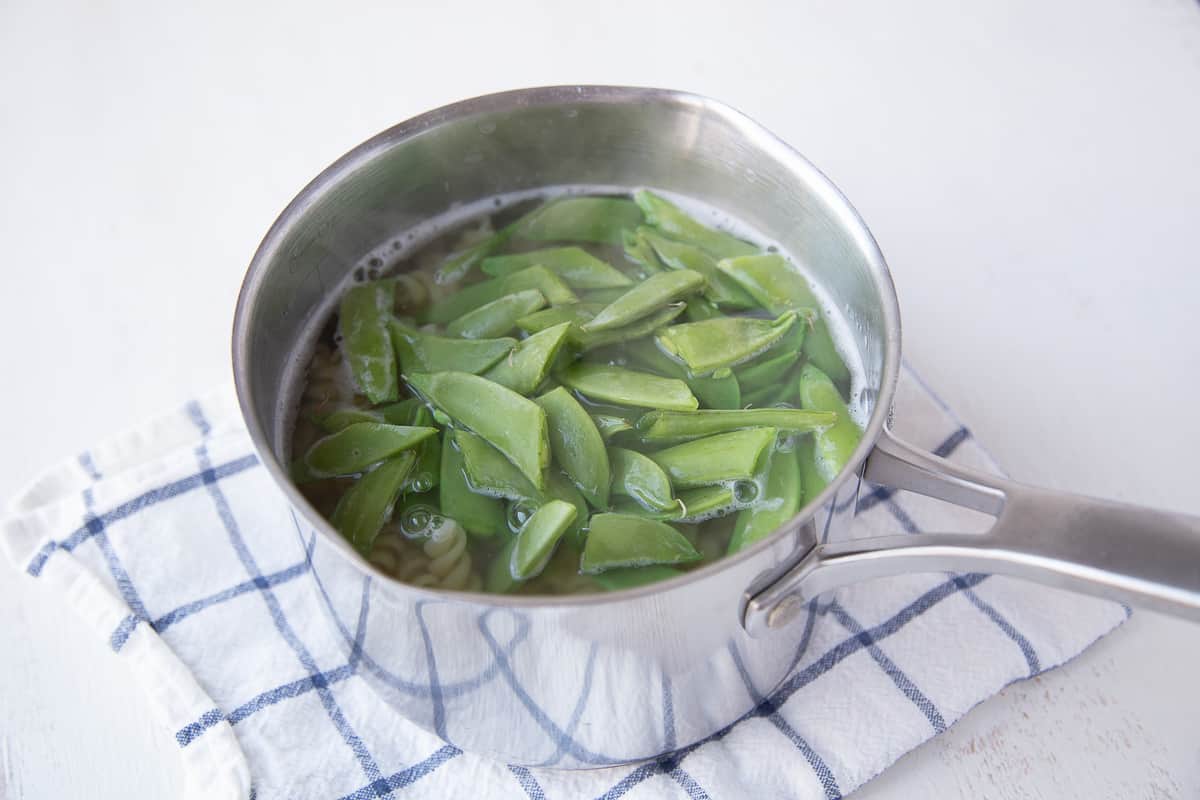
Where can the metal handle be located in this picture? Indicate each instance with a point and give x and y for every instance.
(1133, 555)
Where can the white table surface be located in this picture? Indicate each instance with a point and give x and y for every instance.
(1031, 170)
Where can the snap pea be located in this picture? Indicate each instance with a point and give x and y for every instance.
(362, 319)
(681, 255)
(581, 219)
(779, 503)
(425, 352)
(834, 445)
(669, 218)
(674, 426)
(614, 580)
(559, 487)
(552, 287)
(499, 578)
(478, 514)
(723, 392)
(472, 297)
(368, 503)
(512, 424)
(627, 387)
(715, 459)
(723, 341)
(589, 340)
(577, 446)
(527, 365)
(489, 472)
(625, 540)
(691, 505)
(700, 309)
(457, 265)
(635, 475)
(783, 391)
(358, 446)
(538, 538)
(645, 298)
(497, 317)
(610, 426)
(811, 478)
(766, 372)
(822, 353)
(639, 252)
(603, 297)
(578, 268)
(393, 414)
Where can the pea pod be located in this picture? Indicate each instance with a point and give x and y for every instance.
(590, 340)
(581, 219)
(478, 514)
(680, 255)
(610, 426)
(577, 445)
(627, 387)
(723, 341)
(362, 319)
(637, 476)
(578, 268)
(358, 446)
(823, 354)
(457, 265)
(489, 472)
(834, 445)
(512, 424)
(691, 505)
(497, 317)
(715, 459)
(674, 426)
(425, 352)
(528, 364)
(645, 298)
(783, 391)
(810, 477)
(559, 487)
(393, 414)
(552, 287)
(625, 540)
(724, 392)
(766, 372)
(538, 538)
(602, 297)
(640, 253)
(700, 309)
(779, 502)
(669, 218)
(368, 503)
(499, 578)
(469, 298)
(614, 580)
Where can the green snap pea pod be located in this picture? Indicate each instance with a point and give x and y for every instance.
(393, 414)
(427, 471)
(822, 353)
(478, 514)
(369, 501)
(715, 459)
(691, 505)
(834, 445)
(363, 318)
(577, 445)
(767, 372)
(499, 578)
(358, 446)
(669, 218)
(610, 426)
(458, 264)
(681, 255)
(674, 426)
(578, 268)
(810, 477)
(527, 365)
(512, 424)
(559, 487)
(424, 352)
(635, 475)
(469, 298)
(779, 502)
(589, 340)
(700, 309)
(770, 396)
(645, 298)
(614, 580)
(581, 219)
(538, 538)
(723, 392)
(489, 472)
(723, 341)
(628, 387)
(552, 287)
(639, 252)
(576, 314)
(497, 317)
(603, 297)
(625, 540)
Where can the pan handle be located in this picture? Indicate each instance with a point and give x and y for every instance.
(1133, 555)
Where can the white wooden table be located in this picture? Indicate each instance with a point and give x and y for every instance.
(1031, 170)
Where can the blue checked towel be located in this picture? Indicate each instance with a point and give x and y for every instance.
(173, 542)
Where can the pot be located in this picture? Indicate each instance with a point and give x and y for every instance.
(588, 681)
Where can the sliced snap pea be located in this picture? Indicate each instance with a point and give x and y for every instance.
(669, 218)
(723, 341)
(489, 472)
(578, 268)
(640, 253)
(715, 459)
(393, 414)
(552, 287)
(538, 538)
(581, 219)
(766, 371)
(723, 392)
(577, 445)
(625, 540)
(811, 478)
(779, 502)
(497, 317)
(674, 426)
(369, 501)
(635, 475)
(512, 424)
(645, 298)
(526, 366)
(691, 505)
(610, 426)
(425, 352)
(458, 264)
(499, 578)
(681, 255)
(833, 445)
(614, 580)
(362, 319)
(479, 515)
(559, 487)
(358, 446)
(626, 387)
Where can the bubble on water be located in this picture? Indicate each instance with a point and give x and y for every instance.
(518, 514)
(417, 522)
(423, 482)
(397, 244)
(375, 262)
(745, 491)
(360, 274)
(497, 202)
(785, 442)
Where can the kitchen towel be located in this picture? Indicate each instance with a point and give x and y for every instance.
(173, 542)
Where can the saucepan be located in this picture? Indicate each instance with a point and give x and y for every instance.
(594, 680)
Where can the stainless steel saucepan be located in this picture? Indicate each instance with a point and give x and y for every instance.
(588, 681)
